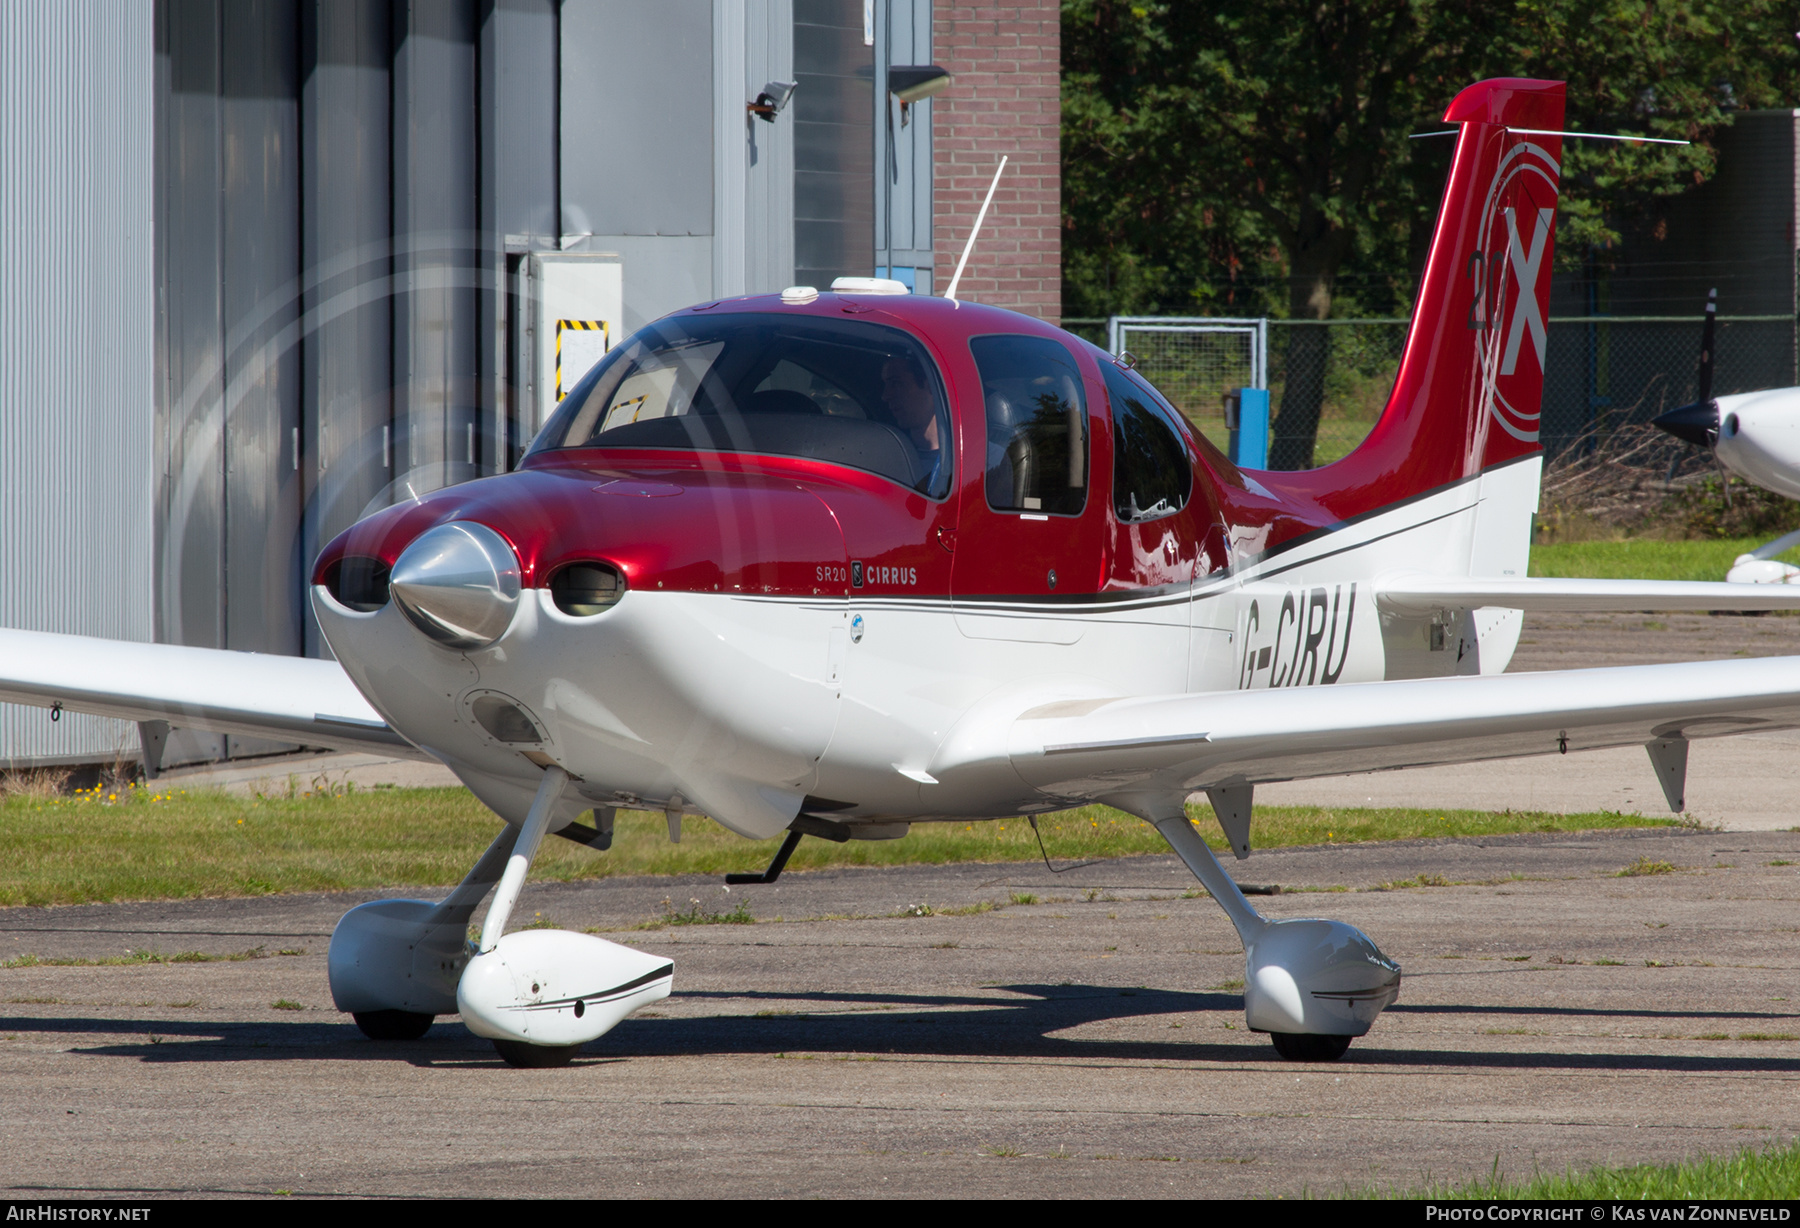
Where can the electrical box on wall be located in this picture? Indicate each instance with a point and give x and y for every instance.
(573, 309)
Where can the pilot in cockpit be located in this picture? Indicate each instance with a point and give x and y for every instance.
(908, 397)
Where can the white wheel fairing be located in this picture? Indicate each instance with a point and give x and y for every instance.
(552, 987)
(1314, 976)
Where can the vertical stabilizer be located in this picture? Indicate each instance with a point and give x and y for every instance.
(1471, 381)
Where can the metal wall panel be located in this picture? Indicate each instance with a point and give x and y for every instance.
(637, 117)
(903, 149)
(347, 352)
(834, 115)
(518, 65)
(259, 238)
(769, 192)
(77, 307)
(191, 401)
(437, 247)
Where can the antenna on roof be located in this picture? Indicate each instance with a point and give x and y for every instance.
(979, 218)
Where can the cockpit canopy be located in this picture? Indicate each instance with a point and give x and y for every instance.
(845, 391)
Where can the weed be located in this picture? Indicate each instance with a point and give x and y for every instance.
(694, 914)
(34, 782)
(285, 1004)
(968, 910)
(917, 910)
(1023, 897)
(1609, 963)
(1643, 866)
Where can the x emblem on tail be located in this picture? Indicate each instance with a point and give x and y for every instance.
(1525, 271)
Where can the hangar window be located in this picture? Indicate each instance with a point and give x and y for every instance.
(1037, 444)
(843, 391)
(1152, 476)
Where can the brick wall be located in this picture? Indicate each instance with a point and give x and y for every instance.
(1006, 57)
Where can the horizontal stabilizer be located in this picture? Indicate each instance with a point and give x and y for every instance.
(1417, 595)
(289, 699)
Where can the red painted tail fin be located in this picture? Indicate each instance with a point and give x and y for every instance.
(1471, 381)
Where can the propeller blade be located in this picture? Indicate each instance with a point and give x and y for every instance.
(1698, 421)
(1706, 346)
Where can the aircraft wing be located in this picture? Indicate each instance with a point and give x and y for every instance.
(1089, 749)
(1415, 594)
(290, 699)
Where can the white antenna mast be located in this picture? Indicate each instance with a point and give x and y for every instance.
(979, 218)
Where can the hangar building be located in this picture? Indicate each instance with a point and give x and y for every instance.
(268, 265)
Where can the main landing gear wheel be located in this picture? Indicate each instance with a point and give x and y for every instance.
(1303, 1047)
(535, 1057)
(393, 1025)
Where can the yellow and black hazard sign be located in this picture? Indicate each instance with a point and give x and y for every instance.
(579, 345)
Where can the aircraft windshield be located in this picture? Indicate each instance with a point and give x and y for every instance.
(844, 391)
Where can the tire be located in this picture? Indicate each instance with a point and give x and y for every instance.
(1306, 1047)
(535, 1057)
(393, 1025)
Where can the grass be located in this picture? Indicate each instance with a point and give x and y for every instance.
(134, 958)
(140, 844)
(1644, 559)
(1751, 1173)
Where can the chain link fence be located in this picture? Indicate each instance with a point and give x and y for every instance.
(1601, 374)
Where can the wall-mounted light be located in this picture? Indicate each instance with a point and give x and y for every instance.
(773, 99)
(912, 83)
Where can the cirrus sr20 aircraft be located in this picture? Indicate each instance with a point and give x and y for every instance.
(836, 563)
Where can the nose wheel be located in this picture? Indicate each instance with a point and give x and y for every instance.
(535, 1057)
(1305, 1047)
(393, 1025)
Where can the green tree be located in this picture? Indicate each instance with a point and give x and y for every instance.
(1256, 157)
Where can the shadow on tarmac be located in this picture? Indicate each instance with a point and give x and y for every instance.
(878, 1025)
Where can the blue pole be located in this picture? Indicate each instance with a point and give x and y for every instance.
(1250, 441)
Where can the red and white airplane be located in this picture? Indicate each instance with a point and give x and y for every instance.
(836, 563)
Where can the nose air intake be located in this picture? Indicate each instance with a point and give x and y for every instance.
(458, 583)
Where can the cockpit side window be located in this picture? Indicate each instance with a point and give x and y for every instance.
(842, 391)
(1037, 445)
(1152, 475)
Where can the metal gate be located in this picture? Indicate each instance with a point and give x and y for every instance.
(1195, 361)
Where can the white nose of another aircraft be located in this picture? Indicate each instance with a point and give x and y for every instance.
(458, 583)
(1759, 438)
